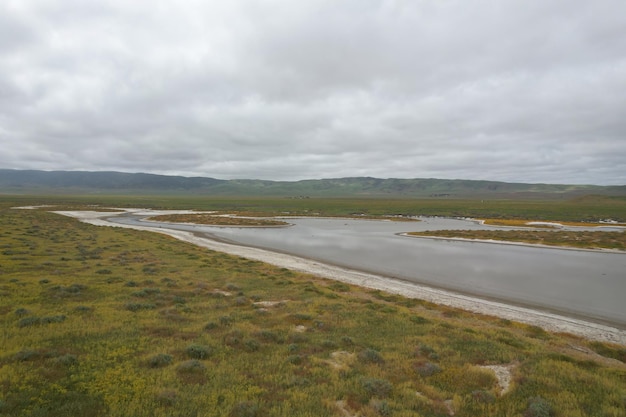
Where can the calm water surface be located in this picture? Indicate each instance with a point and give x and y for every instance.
(591, 284)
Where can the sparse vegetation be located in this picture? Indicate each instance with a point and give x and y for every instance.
(544, 224)
(176, 342)
(214, 220)
(573, 239)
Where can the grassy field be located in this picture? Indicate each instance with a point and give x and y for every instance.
(100, 321)
(583, 209)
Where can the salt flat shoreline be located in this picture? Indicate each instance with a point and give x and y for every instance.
(546, 320)
(511, 243)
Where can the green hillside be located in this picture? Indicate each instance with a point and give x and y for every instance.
(77, 182)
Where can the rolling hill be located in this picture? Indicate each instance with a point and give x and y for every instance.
(73, 182)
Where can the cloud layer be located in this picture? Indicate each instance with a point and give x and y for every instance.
(512, 91)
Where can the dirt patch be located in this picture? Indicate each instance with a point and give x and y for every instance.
(341, 360)
(267, 304)
(503, 374)
(220, 292)
(345, 410)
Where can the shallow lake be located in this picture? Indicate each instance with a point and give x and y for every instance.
(580, 283)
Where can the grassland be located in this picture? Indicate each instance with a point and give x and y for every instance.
(583, 209)
(102, 321)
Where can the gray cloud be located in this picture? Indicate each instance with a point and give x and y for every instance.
(513, 91)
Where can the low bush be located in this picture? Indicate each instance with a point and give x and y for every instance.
(374, 387)
(35, 321)
(538, 407)
(425, 369)
(27, 355)
(251, 345)
(139, 306)
(66, 360)
(193, 366)
(370, 356)
(198, 351)
(160, 360)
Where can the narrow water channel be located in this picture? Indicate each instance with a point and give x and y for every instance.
(581, 283)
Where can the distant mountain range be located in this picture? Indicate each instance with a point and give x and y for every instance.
(75, 182)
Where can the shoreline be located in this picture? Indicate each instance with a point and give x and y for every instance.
(549, 321)
(512, 243)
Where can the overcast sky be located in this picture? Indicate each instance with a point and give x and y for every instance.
(520, 90)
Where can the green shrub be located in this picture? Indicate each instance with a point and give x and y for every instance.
(328, 344)
(27, 355)
(139, 306)
(29, 321)
(251, 345)
(347, 341)
(210, 326)
(419, 320)
(66, 360)
(233, 338)
(294, 359)
(538, 407)
(160, 360)
(179, 300)
(74, 288)
(240, 301)
(146, 292)
(380, 388)
(53, 319)
(268, 336)
(191, 367)
(34, 321)
(370, 356)
(198, 351)
(425, 369)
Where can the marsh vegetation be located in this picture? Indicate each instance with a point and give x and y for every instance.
(573, 239)
(218, 220)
